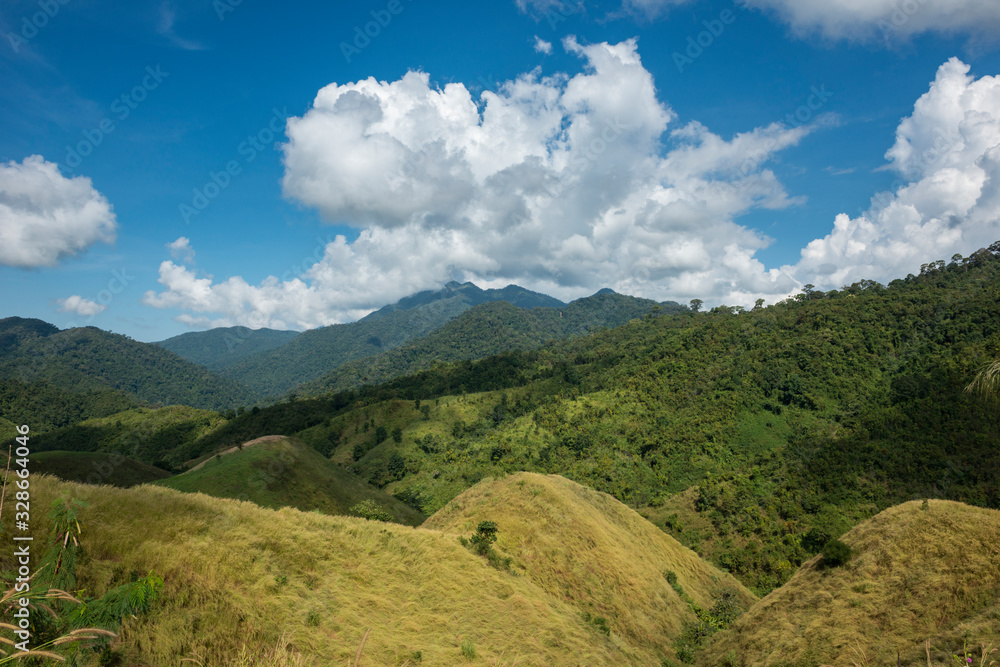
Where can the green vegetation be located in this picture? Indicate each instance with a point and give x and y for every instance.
(163, 437)
(278, 472)
(490, 329)
(95, 468)
(369, 509)
(45, 407)
(218, 349)
(314, 353)
(51, 623)
(90, 361)
(836, 553)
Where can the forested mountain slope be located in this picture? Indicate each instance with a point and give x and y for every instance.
(317, 352)
(220, 348)
(87, 360)
(489, 329)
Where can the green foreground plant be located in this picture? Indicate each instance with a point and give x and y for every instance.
(59, 625)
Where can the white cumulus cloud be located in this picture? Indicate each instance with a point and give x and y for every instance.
(890, 20)
(562, 183)
(541, 46)
(45, 216)
(181, 250)
(947, 157)
(80, 306)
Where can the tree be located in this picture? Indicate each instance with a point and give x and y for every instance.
(696, 305)
(987, 382)
(485, 536)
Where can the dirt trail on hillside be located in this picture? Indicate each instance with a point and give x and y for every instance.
(250, 443)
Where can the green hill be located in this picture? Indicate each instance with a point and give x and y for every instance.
(314, 353)
(251, 586)
(217, 349)
(278, 472)
(88, 360)
(95, 468)
(486, 330)
(160, 436)
(43, 406)
(917, 575)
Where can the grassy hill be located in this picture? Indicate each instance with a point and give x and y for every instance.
(589, 550)
(95, 468)
(88, 360)
(485, 330)
(280, 472)
(160, 436)
(43, 406)
(240, 579)
(318, 351)
(917, 575)
(217, 349)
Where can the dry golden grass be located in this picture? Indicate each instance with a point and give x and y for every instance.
(594, 553)
(916, 575)
(244, 582)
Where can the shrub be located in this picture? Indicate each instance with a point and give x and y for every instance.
(836, 553)
(486, 535)
(369, 509)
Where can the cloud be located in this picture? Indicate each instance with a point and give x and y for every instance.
(889, 20)
(80, 306)
(562, 183)
(165, 28)
(555, 10)
(541, 46)
(947, 197)
(45, 216)
(181, 250)
(651, 8)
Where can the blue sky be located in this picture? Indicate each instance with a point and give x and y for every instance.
(174, 165)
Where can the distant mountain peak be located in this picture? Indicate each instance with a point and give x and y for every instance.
(605, 290)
